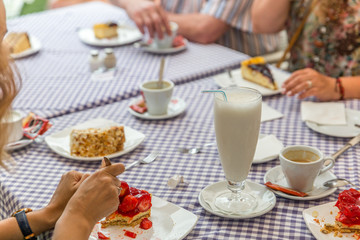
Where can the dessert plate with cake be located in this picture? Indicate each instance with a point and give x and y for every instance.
(276, 176)
(22, 44)
(351, 129)
(176, 107)
(266, 199)
(254, 73)
(335, 220)
(109, 34)
(93, 139)
(143, 216)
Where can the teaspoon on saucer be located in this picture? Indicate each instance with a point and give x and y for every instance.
(338, 182)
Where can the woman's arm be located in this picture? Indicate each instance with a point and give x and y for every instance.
(269, 16)
(45, 219)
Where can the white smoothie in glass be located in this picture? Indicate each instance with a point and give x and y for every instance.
(237, 125)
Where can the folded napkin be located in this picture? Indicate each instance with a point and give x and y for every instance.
(268, 148)
(325, 113)
(268, 113)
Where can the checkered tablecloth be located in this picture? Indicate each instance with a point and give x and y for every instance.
(57, 80)
(38, 169)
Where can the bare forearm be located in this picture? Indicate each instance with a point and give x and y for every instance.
(199, 27)
(39, 221)
(72, 226)
(269, 16)
(351, 87)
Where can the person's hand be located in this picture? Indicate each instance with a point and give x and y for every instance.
(308, 82)
(149, 14)
(98, 195)
(67, 186)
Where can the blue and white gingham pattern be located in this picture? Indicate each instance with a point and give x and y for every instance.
(39, 169)
(57, 80)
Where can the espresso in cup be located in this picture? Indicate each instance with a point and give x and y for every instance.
(301, 165)
(156, 85)
(301, 156)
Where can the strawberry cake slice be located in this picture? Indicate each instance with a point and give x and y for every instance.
(348, 204)
(135, 207)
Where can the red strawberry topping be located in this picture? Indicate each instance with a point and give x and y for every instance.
(145, 224)
(128, 204)
(134, 191)
(124, 189)
(130, 234)
(144, 199)
(102, 236)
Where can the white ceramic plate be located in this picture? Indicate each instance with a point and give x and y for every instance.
(223, 80)
(164, 50)
(267, 148)
(18, 144)
(276, 176)
(326, 212)
(126, 35)
(176, 107)
(266, 199)
(59, 142)
(349, 130)
(35, 47)
(170, 222)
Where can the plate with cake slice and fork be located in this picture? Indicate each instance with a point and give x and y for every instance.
(254, 73)
(22, 44)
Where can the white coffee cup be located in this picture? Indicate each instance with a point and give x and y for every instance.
(167, 40)
(157, 98)
(302, 164)
(13, 124)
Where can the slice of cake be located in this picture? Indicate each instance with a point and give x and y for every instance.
(17, 42)
(256, 70)
(105, 30)
(348, 218)
(96, 142)
(134, 208)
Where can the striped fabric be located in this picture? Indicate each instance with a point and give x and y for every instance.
(237, 14)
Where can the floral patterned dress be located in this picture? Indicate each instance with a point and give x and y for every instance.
(330, 41)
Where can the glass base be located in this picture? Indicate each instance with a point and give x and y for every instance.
(236, 201)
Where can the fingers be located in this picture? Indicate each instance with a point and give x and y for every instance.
(114, 169)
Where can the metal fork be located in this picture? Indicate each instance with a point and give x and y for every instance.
(150, 158)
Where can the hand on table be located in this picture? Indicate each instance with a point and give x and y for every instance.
(308, 82)
(149, 14)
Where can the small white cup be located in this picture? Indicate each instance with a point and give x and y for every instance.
(157, 99)
(167, 40)
(302, 164)
(13, 124)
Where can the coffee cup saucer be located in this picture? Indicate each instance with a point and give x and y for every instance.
(151, 49)
(176, 107)
(265, 198)
(276, 176)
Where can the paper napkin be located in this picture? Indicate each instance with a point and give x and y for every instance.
(268, 113)
(325, 113)
(268, 148)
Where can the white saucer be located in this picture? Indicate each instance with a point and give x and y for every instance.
(266, 199)
(176, 107)
(276, 176)
(151, 49)
(18, 144)
(349, 130)
(223, 80)
(126, 35)
(35, 47)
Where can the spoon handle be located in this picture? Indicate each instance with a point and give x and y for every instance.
(341, 150)
(161, 72)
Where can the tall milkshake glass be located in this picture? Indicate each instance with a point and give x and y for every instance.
(237, 117)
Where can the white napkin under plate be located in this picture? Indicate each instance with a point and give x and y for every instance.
(325, 113)
(268, 148)
(268, 113)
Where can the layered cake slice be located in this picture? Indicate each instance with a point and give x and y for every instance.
(105, 30)
(96, 142)
(256, 70)
(134, 208)
(348, 218)
(17, 42)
